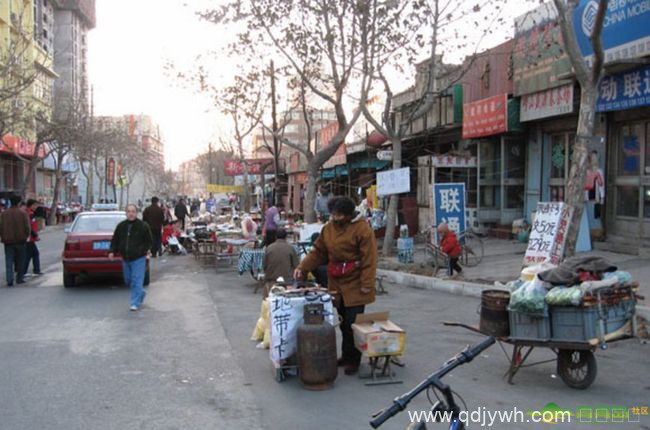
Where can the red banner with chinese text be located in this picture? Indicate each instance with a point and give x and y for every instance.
(485, 117)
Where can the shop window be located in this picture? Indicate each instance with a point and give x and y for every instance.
(629, 150)
(490, 174)
(514, 196)
(646, 202)
(558, 156)
(627, 201)
(515, 159)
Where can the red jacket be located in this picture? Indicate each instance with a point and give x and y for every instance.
(450, 245)
(33, 224)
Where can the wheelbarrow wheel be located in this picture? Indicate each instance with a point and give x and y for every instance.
(577, 368)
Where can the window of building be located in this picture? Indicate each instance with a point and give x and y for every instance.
(490, 173)
(629, 149)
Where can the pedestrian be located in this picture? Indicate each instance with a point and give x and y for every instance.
(450, 246)
(132, 241)
(347, 245)
(280, 260)
(32, 253)
(180, 211)
(14, 232)
(154, 216)
(320, 205)
(272, 222)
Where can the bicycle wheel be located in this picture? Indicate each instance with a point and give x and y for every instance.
(472, 253)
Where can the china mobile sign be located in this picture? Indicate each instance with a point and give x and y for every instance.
(625, 28)
(485, 117)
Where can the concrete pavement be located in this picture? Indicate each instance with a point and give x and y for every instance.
(78, 359)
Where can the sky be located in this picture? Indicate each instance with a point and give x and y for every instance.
(135, 39)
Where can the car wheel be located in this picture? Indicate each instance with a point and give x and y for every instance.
(146, 278)
(69, 279)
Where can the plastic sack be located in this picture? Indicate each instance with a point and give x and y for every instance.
(530, 273)
(530, 297)
(262, 322)
(621, 276)
(563, 296)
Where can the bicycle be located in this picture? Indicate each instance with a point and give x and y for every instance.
(443, 407)
(471, 250)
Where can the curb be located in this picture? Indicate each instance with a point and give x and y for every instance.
(461, 288)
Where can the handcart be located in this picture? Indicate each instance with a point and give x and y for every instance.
(576, 362)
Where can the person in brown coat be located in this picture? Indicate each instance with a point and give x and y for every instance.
(347, 245)
(280, 260)
(14, 231)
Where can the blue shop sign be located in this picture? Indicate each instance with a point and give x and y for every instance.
(625, 90)
(449, 206)
(625, 30)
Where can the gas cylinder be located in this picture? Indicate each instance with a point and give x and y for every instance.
(316, 349)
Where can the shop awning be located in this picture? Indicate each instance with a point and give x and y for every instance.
(334, 172)
(372, 163)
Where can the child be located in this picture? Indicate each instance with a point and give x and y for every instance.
(450, 246)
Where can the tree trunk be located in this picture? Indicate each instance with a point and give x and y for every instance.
(55, 196)
(391, 214)
(28, 177)
(574, 193)
(310, 193)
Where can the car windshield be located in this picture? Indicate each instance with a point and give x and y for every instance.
(97, 223)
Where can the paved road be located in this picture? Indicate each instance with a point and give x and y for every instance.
(77, 359)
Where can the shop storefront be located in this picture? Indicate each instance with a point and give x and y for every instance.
(495, 186)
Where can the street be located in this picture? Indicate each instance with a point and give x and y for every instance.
(78, 359)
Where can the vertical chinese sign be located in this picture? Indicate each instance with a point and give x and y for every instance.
(448, 207)
(548, 233)
(110, 172)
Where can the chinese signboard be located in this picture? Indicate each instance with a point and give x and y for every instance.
(548, 233)
(485, 117)
(394, 181)
(624, 90)
(222, 189)
(539, 59)
(625, 29)
(286, 316)
(20, 146)
(453, 161)
(236, 167)
(449, 206)
(544, 104)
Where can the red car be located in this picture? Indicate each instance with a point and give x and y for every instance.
(87, 244)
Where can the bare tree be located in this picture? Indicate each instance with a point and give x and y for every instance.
(588, 76)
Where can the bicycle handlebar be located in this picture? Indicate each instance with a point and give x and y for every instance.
(400, 403)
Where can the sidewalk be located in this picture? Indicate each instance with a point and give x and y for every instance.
(502, 262)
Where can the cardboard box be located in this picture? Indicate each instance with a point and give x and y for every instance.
(375, 335)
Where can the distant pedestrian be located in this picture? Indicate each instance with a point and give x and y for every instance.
(450, 246)
(320, 205)
(14, 232)
(154, 215)
(132, 241)
(32, 253)
(272, 222)
(180, 211)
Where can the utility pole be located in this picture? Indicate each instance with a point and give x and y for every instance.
(275, 138)
(210, 166)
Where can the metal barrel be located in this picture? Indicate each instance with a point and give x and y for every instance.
(494, 313)
(316, 350)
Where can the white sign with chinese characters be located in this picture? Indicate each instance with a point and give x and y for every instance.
(548, 233)
(453, 161)
(544, 104)
(395, 181)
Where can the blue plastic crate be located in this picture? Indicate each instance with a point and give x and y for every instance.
(579, 324)
(525, 326)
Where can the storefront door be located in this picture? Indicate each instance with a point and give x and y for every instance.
(631, 166)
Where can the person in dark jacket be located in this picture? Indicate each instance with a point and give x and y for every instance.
(132, 241)
(451, 246)
(14, 232)
(155, 217)
(180, 211)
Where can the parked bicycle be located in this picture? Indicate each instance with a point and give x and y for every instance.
(445, 404)
(471, 250)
